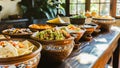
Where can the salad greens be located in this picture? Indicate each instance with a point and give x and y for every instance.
(52, 34)
(79, 16)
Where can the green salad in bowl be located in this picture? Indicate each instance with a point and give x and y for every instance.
(78, 19)
(57, 44)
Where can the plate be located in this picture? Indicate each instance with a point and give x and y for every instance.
(13, 32)
(40, 27)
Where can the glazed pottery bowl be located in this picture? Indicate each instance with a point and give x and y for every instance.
(90, 28)
(104, 24)
(56, 50)
(78, 35)
(30, 60)
(78, 21)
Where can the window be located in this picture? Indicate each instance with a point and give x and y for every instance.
(102, 7)
(77, 6)
(63, 1)
(118, 8)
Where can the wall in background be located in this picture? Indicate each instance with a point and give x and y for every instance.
(9, 7)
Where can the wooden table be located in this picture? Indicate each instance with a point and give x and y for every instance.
(94, 54)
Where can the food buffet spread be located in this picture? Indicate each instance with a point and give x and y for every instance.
(52, 42)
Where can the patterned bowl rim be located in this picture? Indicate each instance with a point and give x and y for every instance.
(21, 34)
(30, 55)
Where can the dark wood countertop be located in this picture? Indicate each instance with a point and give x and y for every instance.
(94, 54)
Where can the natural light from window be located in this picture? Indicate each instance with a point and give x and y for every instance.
(77, 6)
(118, 8)
(102, 7)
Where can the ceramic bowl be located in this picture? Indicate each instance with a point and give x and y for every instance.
(56, 50)
(90, 28)
(30, 60)
(78, 21)
(104, 24)
(78, 35)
